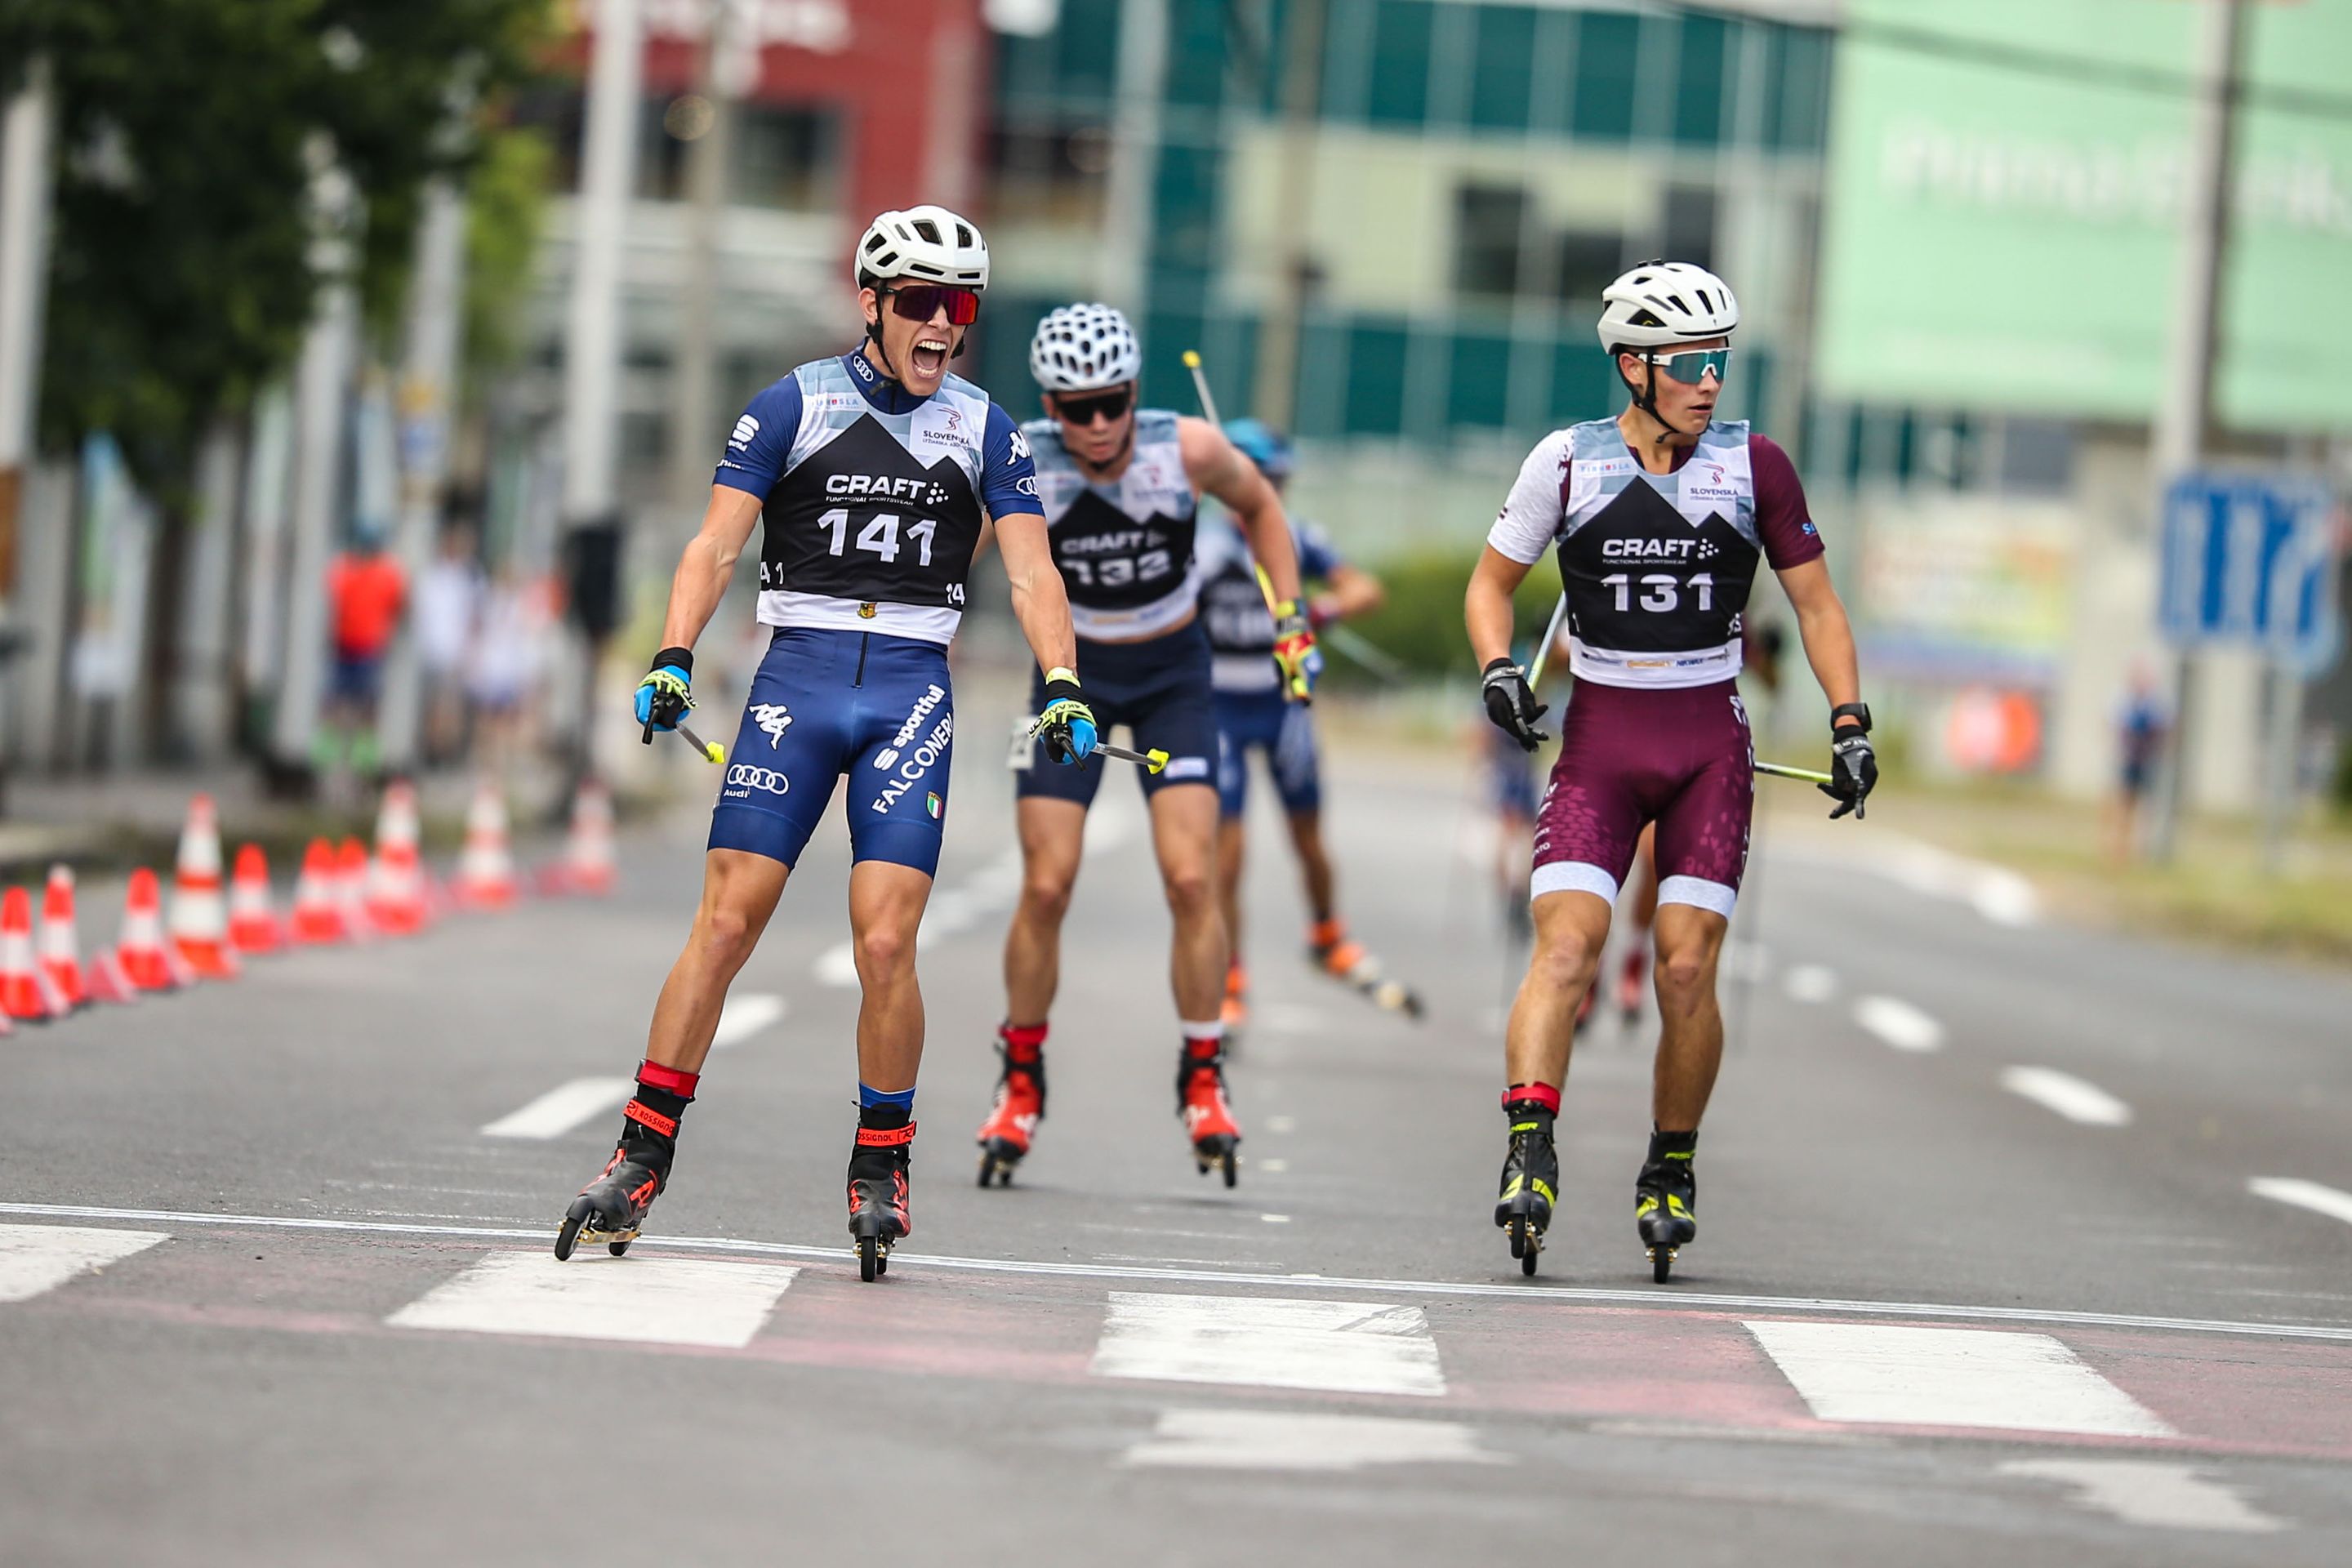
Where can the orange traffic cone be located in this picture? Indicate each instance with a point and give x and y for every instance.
(61, 948)
(253, 923)
(102, 979)
(199, 917)
(486, 873)
(351, 887)
(26, 990)
(318, 913)
(397, 900)
(587, 863)
(148, 961)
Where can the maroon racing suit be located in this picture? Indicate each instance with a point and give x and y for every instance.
(1657, 569)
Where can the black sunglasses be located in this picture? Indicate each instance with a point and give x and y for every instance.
(1082, 410)
(921, 302)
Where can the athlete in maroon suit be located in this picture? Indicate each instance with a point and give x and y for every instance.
(1660, 518)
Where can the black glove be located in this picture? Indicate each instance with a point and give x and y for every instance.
(1512, 705)
(665, 695)
(1066, 726)
(1853, 767)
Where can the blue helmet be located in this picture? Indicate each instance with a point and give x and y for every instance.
(1263, 444)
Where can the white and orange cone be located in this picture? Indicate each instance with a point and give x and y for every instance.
(102, 979)
(486, 872)
(351, 887)
(199, 928)
(253, 923)
(26, 990)
(61, 947)
(398, 903)
(317, 914)
(147, 961)
(587, 863)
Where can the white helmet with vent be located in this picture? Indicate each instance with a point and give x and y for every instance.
(926, 245)
(1664, 302)
(1083, 348)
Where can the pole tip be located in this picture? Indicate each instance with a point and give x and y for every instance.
(1156, 758)
(716, 753)
(1191, 358)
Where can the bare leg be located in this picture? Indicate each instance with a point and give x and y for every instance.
(1053, 834)
(886, 906)
(1571, 929)
(739, 894)
(1184, 834)
(1230, 845)
(1690, 1044)
(1314, 864)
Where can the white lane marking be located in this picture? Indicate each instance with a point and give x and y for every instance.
(1810, 983)
(37, 1259)
(1995, 892)
(2069, 1096)
(1265, 1342)
(1281, 1124)
(563, 1108)
(744, 1017)
(675, 1301)
(2150, 1492)
(1899, 1024)
(1747, 961)
(391, 1222)
(1884, 1375)
(1291, 1018)
(1270, 1167)
(837, 965)
(2303, 1194)
(1291, 1440)
(1275, 1218)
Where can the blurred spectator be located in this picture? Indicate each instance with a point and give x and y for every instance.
(2143, 726)
(500, 668)
(448, 600)
(366, 592)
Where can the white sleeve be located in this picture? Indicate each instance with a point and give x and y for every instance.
(1531, 514)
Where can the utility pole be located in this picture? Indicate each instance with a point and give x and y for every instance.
(25, 184)
(1124, 277)
(721, 79)
(1273, 398)
(2176, 439)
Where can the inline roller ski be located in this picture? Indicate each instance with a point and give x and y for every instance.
(877, 1196)
(1004, 1138)
(1630, 988)
(1665, 1202)
(1208, 1119)
(1233, 1013)
(1530, 1179)
(1332, 951)
(613, 1207)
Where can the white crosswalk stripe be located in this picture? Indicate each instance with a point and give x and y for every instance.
(745, 1016)
(1267, 1341)
(2303, 1194)
(1259, 1440)
(2084, 1103)
(1899, 1024)
(563, 1108)
(2153, 1492)
(665, 1301)
(1995, 1379)
(38, 1258)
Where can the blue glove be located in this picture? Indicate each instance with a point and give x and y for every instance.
(1067, 727)
(665, 695)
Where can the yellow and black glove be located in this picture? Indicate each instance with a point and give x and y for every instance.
(666, 695)
(1295, 653)
(1066, 726)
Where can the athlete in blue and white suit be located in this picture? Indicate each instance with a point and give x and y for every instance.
(875, 473)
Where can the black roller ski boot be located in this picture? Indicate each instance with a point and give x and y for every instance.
(1530, 1173)
(613, 1207)
(1665, 1200)
(877, 1196)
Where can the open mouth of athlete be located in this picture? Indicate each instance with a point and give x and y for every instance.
(931, 353)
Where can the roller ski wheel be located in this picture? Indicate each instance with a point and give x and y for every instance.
(873, 1257)
(877, 1196)
(613, 1207)
(1208, 1122)
(1214, 1153)
(1665, 1200)
(1526, 1242)
(1530, 1185)
(1662, 1263)
(997, 1161)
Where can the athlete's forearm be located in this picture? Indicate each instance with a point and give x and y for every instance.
(1042, 608)
(1486, 606)
(1268, 532)
(695, 589)
(1351, 593)
(1828, 647)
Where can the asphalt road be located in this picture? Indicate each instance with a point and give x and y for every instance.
(2018, 1242)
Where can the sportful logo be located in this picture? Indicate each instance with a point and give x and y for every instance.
(773, 720)
(887, 757)
(745, 428)
(918, 762)
(747, 778)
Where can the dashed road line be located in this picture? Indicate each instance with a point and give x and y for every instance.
(684, 1302)
(1899, 1024)
(1265, 1341)
(1884, 1375)
(1810, 983)
(2070, 1096)
(37, 1259)
(745, 1016)
(1259, 1440)
(2303, 1194)
(2155, 1492)
(563, 1108)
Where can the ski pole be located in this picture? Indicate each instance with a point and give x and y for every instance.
(1777, 771)
(1201, 388)
(1151, 761)
(1551, 633)
(710, 751)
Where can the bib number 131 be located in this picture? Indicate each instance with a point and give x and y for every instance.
(879, 537)
(1661, 593)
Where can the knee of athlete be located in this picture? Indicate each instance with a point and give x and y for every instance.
(1686, 971)
(884, 951)
(1045, 896)
(724, 935)
(1565, 957)
(1191, 891)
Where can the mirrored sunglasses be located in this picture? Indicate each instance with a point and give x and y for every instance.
(1690, 365)
(1108, 405)
(921, 302)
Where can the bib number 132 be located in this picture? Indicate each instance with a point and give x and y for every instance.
(1661, 593)
(879, 537)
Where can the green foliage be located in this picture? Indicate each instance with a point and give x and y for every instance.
(1420, 621)
(503, 203)
(181, 266)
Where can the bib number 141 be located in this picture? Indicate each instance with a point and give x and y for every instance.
(1661, 593)
(879, 537)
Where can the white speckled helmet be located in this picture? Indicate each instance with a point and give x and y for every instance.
(926, 244)
(1081, 347)
(1663, 302)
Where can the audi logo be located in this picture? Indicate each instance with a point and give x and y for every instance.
(749, 777)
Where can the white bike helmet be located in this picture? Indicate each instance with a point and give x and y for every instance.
(927, 244)
(1082, 348)
(1662, 302)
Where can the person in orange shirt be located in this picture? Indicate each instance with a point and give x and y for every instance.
(366, 592)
